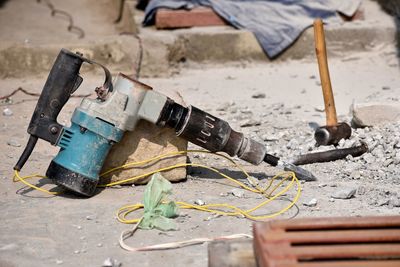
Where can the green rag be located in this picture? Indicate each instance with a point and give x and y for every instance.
(158, 211)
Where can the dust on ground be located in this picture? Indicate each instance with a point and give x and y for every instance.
(273, 103)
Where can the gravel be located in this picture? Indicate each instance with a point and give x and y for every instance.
(379, 163)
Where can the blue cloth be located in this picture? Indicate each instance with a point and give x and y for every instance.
(275, 23)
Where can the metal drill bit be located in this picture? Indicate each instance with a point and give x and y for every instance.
(301, 173)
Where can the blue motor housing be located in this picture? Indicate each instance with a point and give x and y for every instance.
(84, 147)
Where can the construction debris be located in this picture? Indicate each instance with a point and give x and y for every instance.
(237, 192)
(365, 115)
(110, 262)
(7, 112)
(344, 193)
(13, 142)
(312, 203)
(199, 202)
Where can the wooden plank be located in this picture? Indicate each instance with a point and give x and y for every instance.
(200, 16)
(231, 253)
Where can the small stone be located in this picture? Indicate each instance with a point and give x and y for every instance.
(344, 193)
(312, 203)
(199, 202)
(267, 137)
(246, 111)
(224, 106)
(110, 262)
(383, 202)
(76, 252)
(258, 95)
(355, 174)
(7, 112)
(385, 87)
(253, 180)
(322, 185)
(99, 245)
(341, 143)
(394, 202)
(369, 158)
(319, 109)
(59, 262)
(361, 190)
(237, 192)
(397, 145)
(214, 216)
(13, 143)
(331, 200)
(312, 77)
(250, 123)
(387, 162)
(91, 217)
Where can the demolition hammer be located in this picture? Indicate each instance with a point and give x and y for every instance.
(99, 123)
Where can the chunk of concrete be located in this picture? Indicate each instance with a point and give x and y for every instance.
(145, 142)
(374, 114)
(344, 193)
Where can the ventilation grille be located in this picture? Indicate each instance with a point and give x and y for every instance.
(65, 139)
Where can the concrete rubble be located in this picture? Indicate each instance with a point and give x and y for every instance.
(344, 193)
(374, 114)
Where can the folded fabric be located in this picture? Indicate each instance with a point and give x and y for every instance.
(275, 23)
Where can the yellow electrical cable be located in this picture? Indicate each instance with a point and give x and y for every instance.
(124, 211)
(22, 179)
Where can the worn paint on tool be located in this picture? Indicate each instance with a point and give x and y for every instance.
(85, 143)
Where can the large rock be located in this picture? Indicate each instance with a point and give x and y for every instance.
(146, 141)
(374, 114)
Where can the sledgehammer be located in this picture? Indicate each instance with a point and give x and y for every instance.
(333, 131)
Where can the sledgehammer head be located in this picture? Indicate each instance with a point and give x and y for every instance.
(331, 135)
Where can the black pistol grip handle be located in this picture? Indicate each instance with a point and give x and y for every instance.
(62, 81)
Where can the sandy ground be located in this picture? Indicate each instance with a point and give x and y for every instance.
(30, 22)
(41, 230)
(38, 230)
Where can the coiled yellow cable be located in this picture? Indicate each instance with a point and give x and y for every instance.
(222, 209)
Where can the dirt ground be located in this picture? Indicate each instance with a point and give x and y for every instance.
(42, 230)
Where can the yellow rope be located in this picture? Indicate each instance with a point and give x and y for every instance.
(221, 209)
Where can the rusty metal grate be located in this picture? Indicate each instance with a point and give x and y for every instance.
(329, 242)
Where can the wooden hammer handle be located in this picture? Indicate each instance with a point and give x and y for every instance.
(320, 49)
